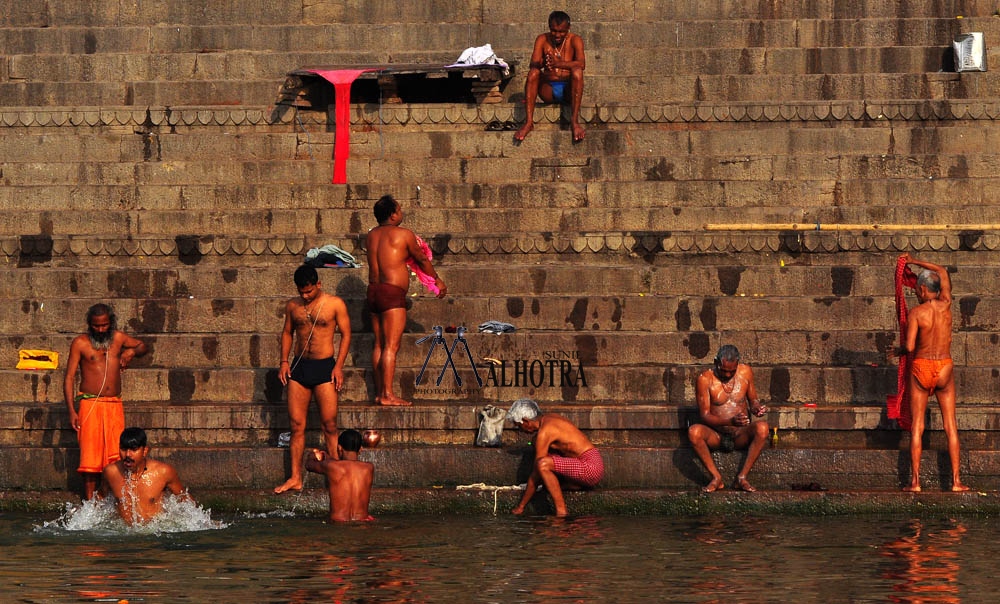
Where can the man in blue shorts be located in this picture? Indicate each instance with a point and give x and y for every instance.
(556, 74)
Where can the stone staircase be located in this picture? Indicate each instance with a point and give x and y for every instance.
(141, 163)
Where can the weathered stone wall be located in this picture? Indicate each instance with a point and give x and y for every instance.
(141, 162)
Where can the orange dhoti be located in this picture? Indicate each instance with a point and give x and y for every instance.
(102, 421)
(927, 371)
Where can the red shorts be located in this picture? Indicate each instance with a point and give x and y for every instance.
(587, 470)
(385, 296)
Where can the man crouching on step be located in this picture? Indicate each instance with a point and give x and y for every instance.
(723, 393)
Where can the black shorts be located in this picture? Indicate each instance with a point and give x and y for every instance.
(313, 372)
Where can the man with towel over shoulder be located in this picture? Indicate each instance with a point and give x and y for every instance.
(389, 247)
(101, 355)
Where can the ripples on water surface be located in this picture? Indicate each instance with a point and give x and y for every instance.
(486, 559)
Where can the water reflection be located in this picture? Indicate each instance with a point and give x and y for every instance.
(420, 559)
(928, 564)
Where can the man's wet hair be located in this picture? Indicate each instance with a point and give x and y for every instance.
(385, 207)
(350, 440)
(930, 280)
(99, 310)
(305, 275)
(132, 438)
(727, 354)
(558, 17)
(522, 409)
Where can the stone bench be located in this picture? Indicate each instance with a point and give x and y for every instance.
(304, 88)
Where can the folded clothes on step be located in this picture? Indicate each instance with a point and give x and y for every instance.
(497, 327)
(330, 256)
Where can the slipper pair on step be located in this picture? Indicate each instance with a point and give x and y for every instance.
(498, 126)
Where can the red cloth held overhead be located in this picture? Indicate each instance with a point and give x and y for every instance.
(898, 405)
(341, 80)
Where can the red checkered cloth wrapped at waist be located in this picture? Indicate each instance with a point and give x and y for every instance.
(587, 470)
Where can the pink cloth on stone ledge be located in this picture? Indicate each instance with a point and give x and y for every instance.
(423, 277)
(341, 80)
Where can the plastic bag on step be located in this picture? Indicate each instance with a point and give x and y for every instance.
(490, 426)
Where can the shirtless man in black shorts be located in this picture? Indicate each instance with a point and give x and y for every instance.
(314, 317)
(722, 393)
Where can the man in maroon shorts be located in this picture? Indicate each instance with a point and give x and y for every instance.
(389, 247)
(577, 461)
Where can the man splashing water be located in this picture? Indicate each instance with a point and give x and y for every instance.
(138, 482)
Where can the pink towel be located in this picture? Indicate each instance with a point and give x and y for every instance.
(898, 405)
(341, 80)
(424, 278)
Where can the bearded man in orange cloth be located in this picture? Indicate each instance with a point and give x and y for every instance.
(101, 355)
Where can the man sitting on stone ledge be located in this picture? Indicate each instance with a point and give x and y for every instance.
(557, 63)
(578, 462)
(722, 394)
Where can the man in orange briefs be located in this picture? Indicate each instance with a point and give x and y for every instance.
(101, 355)
(928, 335)
(389, 246)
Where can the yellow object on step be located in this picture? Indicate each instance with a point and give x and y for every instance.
(37, 359)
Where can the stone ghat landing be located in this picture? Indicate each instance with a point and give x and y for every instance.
(455, 423)
(426, 446)
(625, 502)
(36, 468)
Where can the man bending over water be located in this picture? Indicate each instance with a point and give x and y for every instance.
(928, 335)
(722, 393)
(138, 482)
(389, 247)
(561, 451)
(349, 480)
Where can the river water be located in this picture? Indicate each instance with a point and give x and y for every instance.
(87, 555)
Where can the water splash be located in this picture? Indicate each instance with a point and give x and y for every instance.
(101, 517)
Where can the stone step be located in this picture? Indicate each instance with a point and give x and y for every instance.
(805, 246)
(264, 65)
(609, 89)
(181, 224)
(152, 121)
(61, 13)
(730, 167)
(648, 426)
(651, 313)
(33, 468)
(670, 384)
(833, 347)
(816, 197)
(545, 147)
(96, 94)
(713, 33)
(520, 281)
(837, 348)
